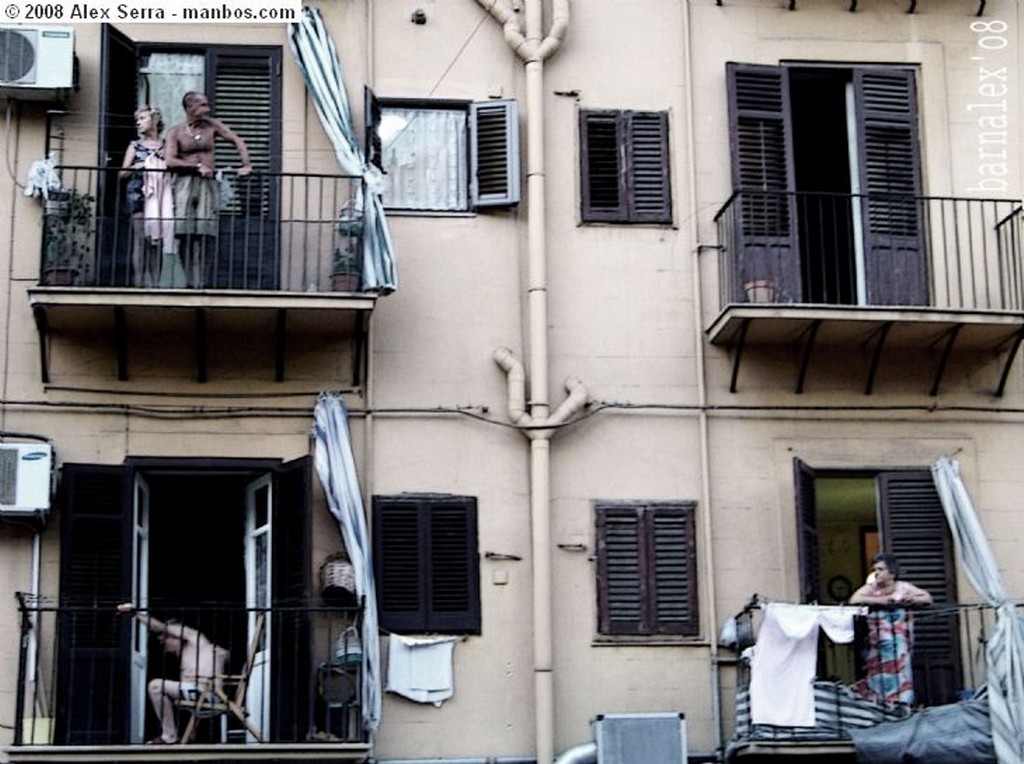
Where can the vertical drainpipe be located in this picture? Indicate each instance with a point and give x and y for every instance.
(693, 246)
(534, 50)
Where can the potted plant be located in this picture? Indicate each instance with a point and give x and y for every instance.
(346, 270)
(759, 290)
(67, 236)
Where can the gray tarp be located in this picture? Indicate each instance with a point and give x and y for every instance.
(953, 734)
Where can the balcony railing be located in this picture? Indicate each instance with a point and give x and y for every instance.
(269, 232)
(844, 701)
(84, 674)
(871, 250)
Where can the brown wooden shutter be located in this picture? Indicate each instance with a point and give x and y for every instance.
(649, 187)
(890, 177)
(807, 532)
(454, 567)
(762, 173)
(602, 188)
(494, 153)
(914, 529)
(646, 577)
(95, 576)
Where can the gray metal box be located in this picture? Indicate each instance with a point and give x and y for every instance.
(657, 738)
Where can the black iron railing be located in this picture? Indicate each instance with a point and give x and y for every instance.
(87, 675)
(871, 250)
(270, 232)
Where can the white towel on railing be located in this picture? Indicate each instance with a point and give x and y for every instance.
(420, 668)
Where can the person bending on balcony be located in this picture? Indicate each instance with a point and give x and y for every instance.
(190, 154)
(203, 664)
(888, 673)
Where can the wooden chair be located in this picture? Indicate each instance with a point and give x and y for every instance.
(214, 700)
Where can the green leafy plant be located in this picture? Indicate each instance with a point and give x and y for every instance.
(348, 254)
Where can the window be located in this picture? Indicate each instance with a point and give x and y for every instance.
(445, 156)
(625, 175)
(827, 164)
(647, 568)
(426, 563)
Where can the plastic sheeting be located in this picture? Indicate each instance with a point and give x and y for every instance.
(1004, 653)
(317, 58)
(335, 464)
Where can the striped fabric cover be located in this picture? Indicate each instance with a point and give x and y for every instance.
(837, 710)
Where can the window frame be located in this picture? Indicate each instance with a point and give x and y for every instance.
(646, 623)
(411, 577)
(492, 157)
(641, 166)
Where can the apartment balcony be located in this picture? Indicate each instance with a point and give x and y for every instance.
(846, 704)
(278, 264)
(84, 673)
(871, 277)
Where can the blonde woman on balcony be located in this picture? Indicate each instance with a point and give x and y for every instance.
(145, 190)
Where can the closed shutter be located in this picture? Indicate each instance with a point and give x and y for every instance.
(426, 563)
(290, 628)
(372, 112)
(807, 532)
(647, 580)
(494, 153)
(762, 173)
(890, 173)
(914, 530)
(94, 661)
(625, 167)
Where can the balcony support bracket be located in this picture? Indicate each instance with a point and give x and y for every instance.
(43, 329)
(121, 343)
(360, 354)
(740, 344)
(201, 346)
(876, 357)
(280, 343)
(947, 351)
(805, 356)
(1010, 357)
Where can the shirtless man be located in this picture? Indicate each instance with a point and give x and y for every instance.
(190, 154)
(202, 664)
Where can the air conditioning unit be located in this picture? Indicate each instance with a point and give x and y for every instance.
(656, 738)
(36, 62)
(25, 478)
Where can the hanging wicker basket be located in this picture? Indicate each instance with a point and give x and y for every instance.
(337, 577)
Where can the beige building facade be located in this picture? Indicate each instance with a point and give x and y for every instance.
(763, 268)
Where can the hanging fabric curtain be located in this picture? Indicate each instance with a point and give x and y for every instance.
(336, 467)
(1005, 650)
(317, 59)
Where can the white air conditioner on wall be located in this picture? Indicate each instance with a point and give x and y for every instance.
(25, 478)
(36, 62)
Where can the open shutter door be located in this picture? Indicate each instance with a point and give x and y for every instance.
(454, 567)
(94, 660)
(649, 189)
(914, 530)
(291, 663)
(246, 97)
(621, 586)
(890, 177)
(118, 94)
(494, 153)
(673, 574)
(807, 532)
(764, 220)
(371, 123)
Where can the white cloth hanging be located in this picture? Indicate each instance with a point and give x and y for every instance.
(420, 668)
(783, 667)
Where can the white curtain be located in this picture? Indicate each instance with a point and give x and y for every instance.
(1005, 650)
(335, 464)
(317, 59)
(425, 153)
